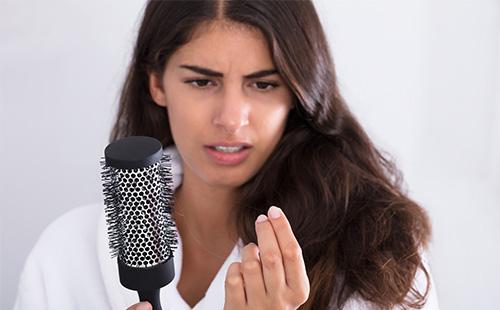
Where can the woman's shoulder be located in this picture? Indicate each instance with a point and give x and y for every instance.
(69, 238)
(77, 216)
(72, 228)
(63, 260)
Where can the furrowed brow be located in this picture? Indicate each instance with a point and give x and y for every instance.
(209, 72)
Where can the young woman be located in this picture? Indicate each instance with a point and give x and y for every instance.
(245, 93)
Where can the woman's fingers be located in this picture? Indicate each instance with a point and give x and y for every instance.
(141, 306)
(234, 288)
(293, 261)
(271, 275)
(270, 256)
(255, 288)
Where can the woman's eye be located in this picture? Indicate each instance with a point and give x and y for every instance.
(198, 83)
(266, 85)
(203, 83)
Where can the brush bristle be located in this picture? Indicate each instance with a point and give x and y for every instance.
(112, 206)
(138, 206)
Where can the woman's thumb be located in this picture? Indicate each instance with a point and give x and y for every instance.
(141, 306)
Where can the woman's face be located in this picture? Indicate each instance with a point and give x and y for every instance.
(215, 95)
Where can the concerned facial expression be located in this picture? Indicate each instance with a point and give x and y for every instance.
(226, 103)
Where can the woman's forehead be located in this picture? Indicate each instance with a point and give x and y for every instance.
(225, 26)
(223, 49)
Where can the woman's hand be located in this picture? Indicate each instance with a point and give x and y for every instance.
(271, 275)
(141, 306)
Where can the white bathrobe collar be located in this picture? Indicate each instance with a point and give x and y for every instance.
(120, 297)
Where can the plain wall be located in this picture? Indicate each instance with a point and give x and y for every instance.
(422, 76)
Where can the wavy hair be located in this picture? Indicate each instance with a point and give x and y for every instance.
(360, 233)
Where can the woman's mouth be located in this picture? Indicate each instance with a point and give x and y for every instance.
(228, 155)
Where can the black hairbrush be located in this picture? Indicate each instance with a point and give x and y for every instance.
(138, 195)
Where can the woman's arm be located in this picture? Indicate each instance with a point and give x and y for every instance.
(31, 288)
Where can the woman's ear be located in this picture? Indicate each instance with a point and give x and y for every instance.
(156, 90)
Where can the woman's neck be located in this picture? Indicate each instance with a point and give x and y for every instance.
(204, 212)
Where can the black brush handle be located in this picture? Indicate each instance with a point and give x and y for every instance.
(151, 296)
(147, 281)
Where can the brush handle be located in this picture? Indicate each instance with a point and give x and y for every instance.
(151, 296)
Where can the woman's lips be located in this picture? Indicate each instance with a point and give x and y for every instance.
(227, 159)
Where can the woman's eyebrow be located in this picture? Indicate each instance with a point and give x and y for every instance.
(209, 72)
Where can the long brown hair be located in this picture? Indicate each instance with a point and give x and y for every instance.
(360, 233)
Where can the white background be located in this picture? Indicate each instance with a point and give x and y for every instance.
(422, 76)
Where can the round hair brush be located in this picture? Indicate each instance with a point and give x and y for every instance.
(138, 200)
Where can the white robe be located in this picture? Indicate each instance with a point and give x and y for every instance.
(70, 268)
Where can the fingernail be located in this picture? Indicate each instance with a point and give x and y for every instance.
(274, 212)
(261, 218)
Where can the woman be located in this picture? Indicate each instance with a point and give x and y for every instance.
(245, 93)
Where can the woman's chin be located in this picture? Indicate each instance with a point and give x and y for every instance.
(226, 179)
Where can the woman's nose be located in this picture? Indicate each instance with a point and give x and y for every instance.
(233, 110)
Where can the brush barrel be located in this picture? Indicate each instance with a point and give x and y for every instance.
(139, 200)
